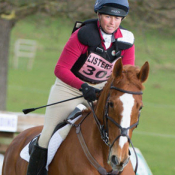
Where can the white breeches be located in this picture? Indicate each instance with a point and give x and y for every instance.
(57, 113)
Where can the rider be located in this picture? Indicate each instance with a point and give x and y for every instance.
(84, 66)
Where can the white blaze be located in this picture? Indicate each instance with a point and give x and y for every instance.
(128, 103)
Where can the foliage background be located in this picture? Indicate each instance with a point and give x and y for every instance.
(157, 14)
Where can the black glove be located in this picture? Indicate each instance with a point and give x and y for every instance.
(89, 92)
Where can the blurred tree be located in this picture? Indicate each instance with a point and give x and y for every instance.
(11, 11)
(155, 13)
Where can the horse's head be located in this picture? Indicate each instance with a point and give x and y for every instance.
(122, 101)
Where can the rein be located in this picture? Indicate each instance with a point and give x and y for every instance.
(105, 136)
(91, 159)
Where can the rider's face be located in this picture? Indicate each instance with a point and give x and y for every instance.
(109, 23)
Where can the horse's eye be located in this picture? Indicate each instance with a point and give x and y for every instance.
(140, 108)
(111, 104)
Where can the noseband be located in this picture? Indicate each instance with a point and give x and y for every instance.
(123, 131)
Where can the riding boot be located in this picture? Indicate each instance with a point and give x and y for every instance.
(38, 160)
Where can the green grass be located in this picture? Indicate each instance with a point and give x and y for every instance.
(155, 135)
(30, 88)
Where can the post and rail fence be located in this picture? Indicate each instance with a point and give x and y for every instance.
(12, 123)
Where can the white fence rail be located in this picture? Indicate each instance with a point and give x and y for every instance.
(12, 123)
(24, 48)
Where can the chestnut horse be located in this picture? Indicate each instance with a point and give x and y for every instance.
(99, 141)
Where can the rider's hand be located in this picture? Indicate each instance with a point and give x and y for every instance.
(89, 92)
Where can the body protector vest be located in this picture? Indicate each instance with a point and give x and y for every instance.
(95, 66)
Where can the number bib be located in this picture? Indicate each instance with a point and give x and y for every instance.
(96, 69)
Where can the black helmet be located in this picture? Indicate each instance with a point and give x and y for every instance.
(112, 7)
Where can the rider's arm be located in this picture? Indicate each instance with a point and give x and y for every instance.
(71, 52)
(128, 56)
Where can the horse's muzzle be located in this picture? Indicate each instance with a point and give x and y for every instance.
(115, 160)
(116, 163)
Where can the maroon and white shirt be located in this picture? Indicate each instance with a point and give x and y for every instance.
(95, 68)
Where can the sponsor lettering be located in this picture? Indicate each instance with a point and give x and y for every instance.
(8, 122)
(115, 11)
(98, 62)
(96, 68)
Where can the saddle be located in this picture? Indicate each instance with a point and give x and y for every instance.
(58, 136)
(71, 117)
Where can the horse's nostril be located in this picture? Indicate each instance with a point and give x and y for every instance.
(114, 160)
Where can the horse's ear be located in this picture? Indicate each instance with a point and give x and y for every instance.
(118, 68)
(144, 71)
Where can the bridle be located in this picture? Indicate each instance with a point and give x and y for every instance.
(106, 117)
(104, 131)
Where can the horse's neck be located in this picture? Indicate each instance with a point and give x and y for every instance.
(93, 137)
(98, 149)
(93, 140)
